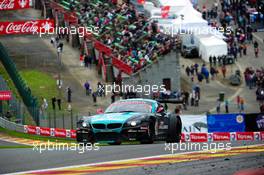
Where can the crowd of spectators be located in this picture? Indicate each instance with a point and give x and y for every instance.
(132, 37)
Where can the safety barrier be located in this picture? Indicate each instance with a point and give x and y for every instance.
(11, 125)
(52, 132)
(29, 100)
(186, 137)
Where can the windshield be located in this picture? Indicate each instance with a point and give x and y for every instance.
(129, 106)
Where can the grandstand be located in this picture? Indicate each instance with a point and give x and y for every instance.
(126, 37)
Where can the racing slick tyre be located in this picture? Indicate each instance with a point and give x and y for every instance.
(149, 139)
(174, 129)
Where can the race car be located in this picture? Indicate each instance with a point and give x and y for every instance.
(143, 120)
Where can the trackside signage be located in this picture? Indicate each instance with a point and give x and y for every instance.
(198, 137)
(245, 136)
(221, 136)
(14, 4)
(186, 137)
(26, 27)
(5, 95)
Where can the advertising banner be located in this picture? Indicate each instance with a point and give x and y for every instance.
(26, 27)
(44, 131)
(262, 135)
(58, 132)
(122, 66)
(5, 95)
(14, 4)
(244, 136)
(254, 122)
(198, 137)
(30, 129)
(221, 136)
(194, 123)
(102, 48)
(73, 133)
(226, 123)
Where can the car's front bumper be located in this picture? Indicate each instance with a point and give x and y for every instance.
(124, 134)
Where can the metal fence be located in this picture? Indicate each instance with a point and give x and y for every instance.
(29, 100)
(59, 119)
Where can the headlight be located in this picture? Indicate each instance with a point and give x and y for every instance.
(133, 123)
(84, 124)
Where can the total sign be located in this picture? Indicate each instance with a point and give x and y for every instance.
(14, 4)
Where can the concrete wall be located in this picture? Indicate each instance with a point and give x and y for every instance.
(166, 67)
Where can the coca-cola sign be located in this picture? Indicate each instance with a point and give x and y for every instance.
(26, 27)
(14, 4)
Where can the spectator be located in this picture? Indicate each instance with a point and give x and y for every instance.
(238, 101)
(224, 71)
(59, 103)
(94, 94)
(262, 108)
(69, 95)
(87, 88)
(242, 105)
(256, 49)
(218, 106)
(53, 102)
(226, 106)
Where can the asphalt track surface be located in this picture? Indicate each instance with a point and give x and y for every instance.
(25, 159)
(5, 143)
(218, 166)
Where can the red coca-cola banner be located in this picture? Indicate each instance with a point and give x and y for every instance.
(30, 129)
(26, 27)
(244, 136)
(58, 132)
(13, 4)
(73, 133)
(221, 136)
(198, 137)
(44, 131)
(5, 95)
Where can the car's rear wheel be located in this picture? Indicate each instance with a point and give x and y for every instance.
(174, 129)
(149, 138)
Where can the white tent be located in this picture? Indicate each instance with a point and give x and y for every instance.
(211, 46)
(175, 5)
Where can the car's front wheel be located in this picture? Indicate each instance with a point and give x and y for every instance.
(149, 138)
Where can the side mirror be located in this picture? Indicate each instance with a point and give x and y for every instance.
(99, 111)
